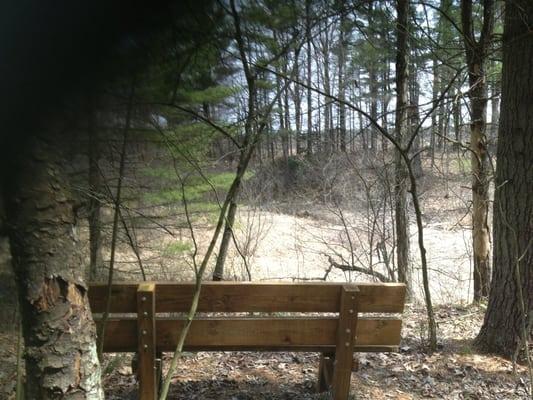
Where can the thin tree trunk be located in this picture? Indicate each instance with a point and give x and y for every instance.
(342, 78)
(218, 273)
(475, 56)
(372, 90)
(401, 134)
(298, 105)
(373, 87)
(442, 114)
(282, 126)
(116, 215)
(414, 119)
(248, 146)
(251, 137)
(318, 135)
(286, 132)
(385, 103)
(456, 107)
(495, 110)
(328, 114)
(309, 72)
(434, 116)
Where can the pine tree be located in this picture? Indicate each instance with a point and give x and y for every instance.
(507, 325)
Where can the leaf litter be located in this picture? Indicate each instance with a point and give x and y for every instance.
(454, 372)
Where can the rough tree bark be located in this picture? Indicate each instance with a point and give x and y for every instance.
(476, 53)
(59, 333)
(401, 133)
(512, 278)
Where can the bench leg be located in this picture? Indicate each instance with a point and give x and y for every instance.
(325, 372)
(159, 372)
(346, 337)
(341, 382)
(146, 368)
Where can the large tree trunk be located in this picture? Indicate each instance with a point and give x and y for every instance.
(476, 51)
(401, 134)
(59, 333)
(512, 277)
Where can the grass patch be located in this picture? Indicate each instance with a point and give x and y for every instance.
(461, 165)
(177, 248)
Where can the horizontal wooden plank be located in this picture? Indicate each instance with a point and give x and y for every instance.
(252, 297)
(297, 334)
(309, 349)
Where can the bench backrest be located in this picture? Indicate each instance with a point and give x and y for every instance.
(241, 332)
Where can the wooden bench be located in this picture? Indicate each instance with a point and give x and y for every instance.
(343, 328)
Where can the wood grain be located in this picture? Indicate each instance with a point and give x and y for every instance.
(255, 334)
(346, 338)
(325, 372)
(146, 341)
(253, 297)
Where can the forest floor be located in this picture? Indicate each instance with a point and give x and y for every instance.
(453, 372)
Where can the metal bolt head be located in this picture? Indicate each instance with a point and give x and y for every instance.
(348, 330)
(353, 297)
(347, 344)
(143, 298)
(144, 332)
(145, 346)
(145, 313)
(350, 311)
